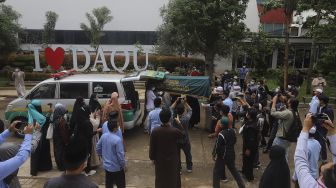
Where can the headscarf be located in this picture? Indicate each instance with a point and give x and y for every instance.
(59, 111)
(34, 113)
(93, 103)
(113, 105)
(276, 175)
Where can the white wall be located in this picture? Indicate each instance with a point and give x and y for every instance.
(129, 15)
(252, 20)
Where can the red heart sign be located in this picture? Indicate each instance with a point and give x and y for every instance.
(54, 58)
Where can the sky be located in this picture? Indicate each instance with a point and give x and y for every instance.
(129, 15)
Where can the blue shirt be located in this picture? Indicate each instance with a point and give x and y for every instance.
(314, 104)
(314, 148)
(9, 166)
(106, 130)
(302, 170)
(242, 73)
(154, 119)
(228, 101)
(111, 148)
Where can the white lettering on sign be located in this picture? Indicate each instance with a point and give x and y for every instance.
(74, 59)
(100, 60)
(37, 60)
(100, 55)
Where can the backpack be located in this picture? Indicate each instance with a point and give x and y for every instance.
(295, 129)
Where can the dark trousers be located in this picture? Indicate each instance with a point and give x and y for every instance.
(272, 136)
(248, 165)
(319, 137)
(88, 167)
(242, 85)
(117, 178)
(220, 167)
(186, 148)
(234, 115)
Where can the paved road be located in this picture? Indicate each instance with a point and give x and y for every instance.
(140, 171)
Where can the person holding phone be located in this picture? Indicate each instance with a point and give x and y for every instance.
(328, 170)
(183, 112)
(40, 157)
(11, 165)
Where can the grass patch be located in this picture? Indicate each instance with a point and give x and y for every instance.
(329, 90)
(4, 81)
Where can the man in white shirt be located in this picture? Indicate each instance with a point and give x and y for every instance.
(314, 104)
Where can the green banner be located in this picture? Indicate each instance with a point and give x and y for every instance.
(149, 74)
(189, 85)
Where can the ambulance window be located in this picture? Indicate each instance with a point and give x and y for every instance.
(74, 90)
(104, 89)
(45, 91)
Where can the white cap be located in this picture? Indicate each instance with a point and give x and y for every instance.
(219, 89)
(319, 90)
(236, 88)
(312, 130)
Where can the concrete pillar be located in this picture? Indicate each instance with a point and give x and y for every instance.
(275, 58)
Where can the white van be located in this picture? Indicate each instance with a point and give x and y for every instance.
(66, 90)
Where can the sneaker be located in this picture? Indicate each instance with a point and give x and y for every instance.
(224, 180)
(92, 172)
(258, 165)
(189, 170)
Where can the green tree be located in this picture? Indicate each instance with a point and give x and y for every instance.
(9, 29)
(258, 46)
(289, 6)
(48, 36)
(99, 18)
(208, 27)
(322, 27)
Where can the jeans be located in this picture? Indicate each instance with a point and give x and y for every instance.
(283, 143)
(187, 152)
(220, 167)
(117, 178)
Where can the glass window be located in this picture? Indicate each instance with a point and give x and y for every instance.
(278, 29)
(74, 90)
(45, 91)
(104, 89)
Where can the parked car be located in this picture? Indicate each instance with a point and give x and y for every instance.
(65, 90)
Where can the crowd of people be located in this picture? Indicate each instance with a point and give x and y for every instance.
(93, 137)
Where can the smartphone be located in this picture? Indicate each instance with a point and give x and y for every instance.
(20, 126)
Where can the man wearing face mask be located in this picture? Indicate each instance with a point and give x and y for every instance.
(319, 82)
(225, 79)
(327, 176)
(149, 101)
(285, 118)
(242, 76)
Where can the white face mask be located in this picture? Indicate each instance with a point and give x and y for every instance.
(244, 66)
(225, 72)
(65, 116)
(252, 82)
(153, 88)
